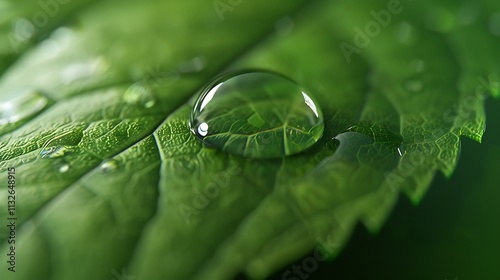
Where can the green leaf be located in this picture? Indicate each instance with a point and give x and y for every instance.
(110, 179)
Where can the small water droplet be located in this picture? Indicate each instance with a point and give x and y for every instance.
(414, 86)
(109, 165)
(193, 65)
(21, 106)
(404, 33)
(55, 151)
(23, 29)
(495, 24)
(139, 94)
(256, 114)
(64, 168)
(417, 66)
(284, 26)
(440, 19)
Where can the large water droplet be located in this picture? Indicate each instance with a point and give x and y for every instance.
(140, 94)
(21, 105)
(256, 114)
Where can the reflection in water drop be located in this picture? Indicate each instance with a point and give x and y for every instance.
(401, 150)
(22, 105)
(256, 114)
(203, 129)
(284, 26)
(495, 24)
(139, 94)
(109, 165)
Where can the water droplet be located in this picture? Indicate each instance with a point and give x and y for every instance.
(23, 29)
(64, 168)
(139, 94)
(61, 165)
(192, 66)
(404, 33)
(414, 86)
(256, 114)
(495, 24)
(21, 106)
(441, 20)
(417, 66)
(62, 144)
(109, 165)
(284, 26)
(56, 151)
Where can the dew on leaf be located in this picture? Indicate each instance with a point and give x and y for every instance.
(193, 65)
(256, 114)
(109, 165)
(61, 165)
(62, 144)
(64, 168)
(21, 105)
(140, 94)
(284, 26)
(54, 151)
